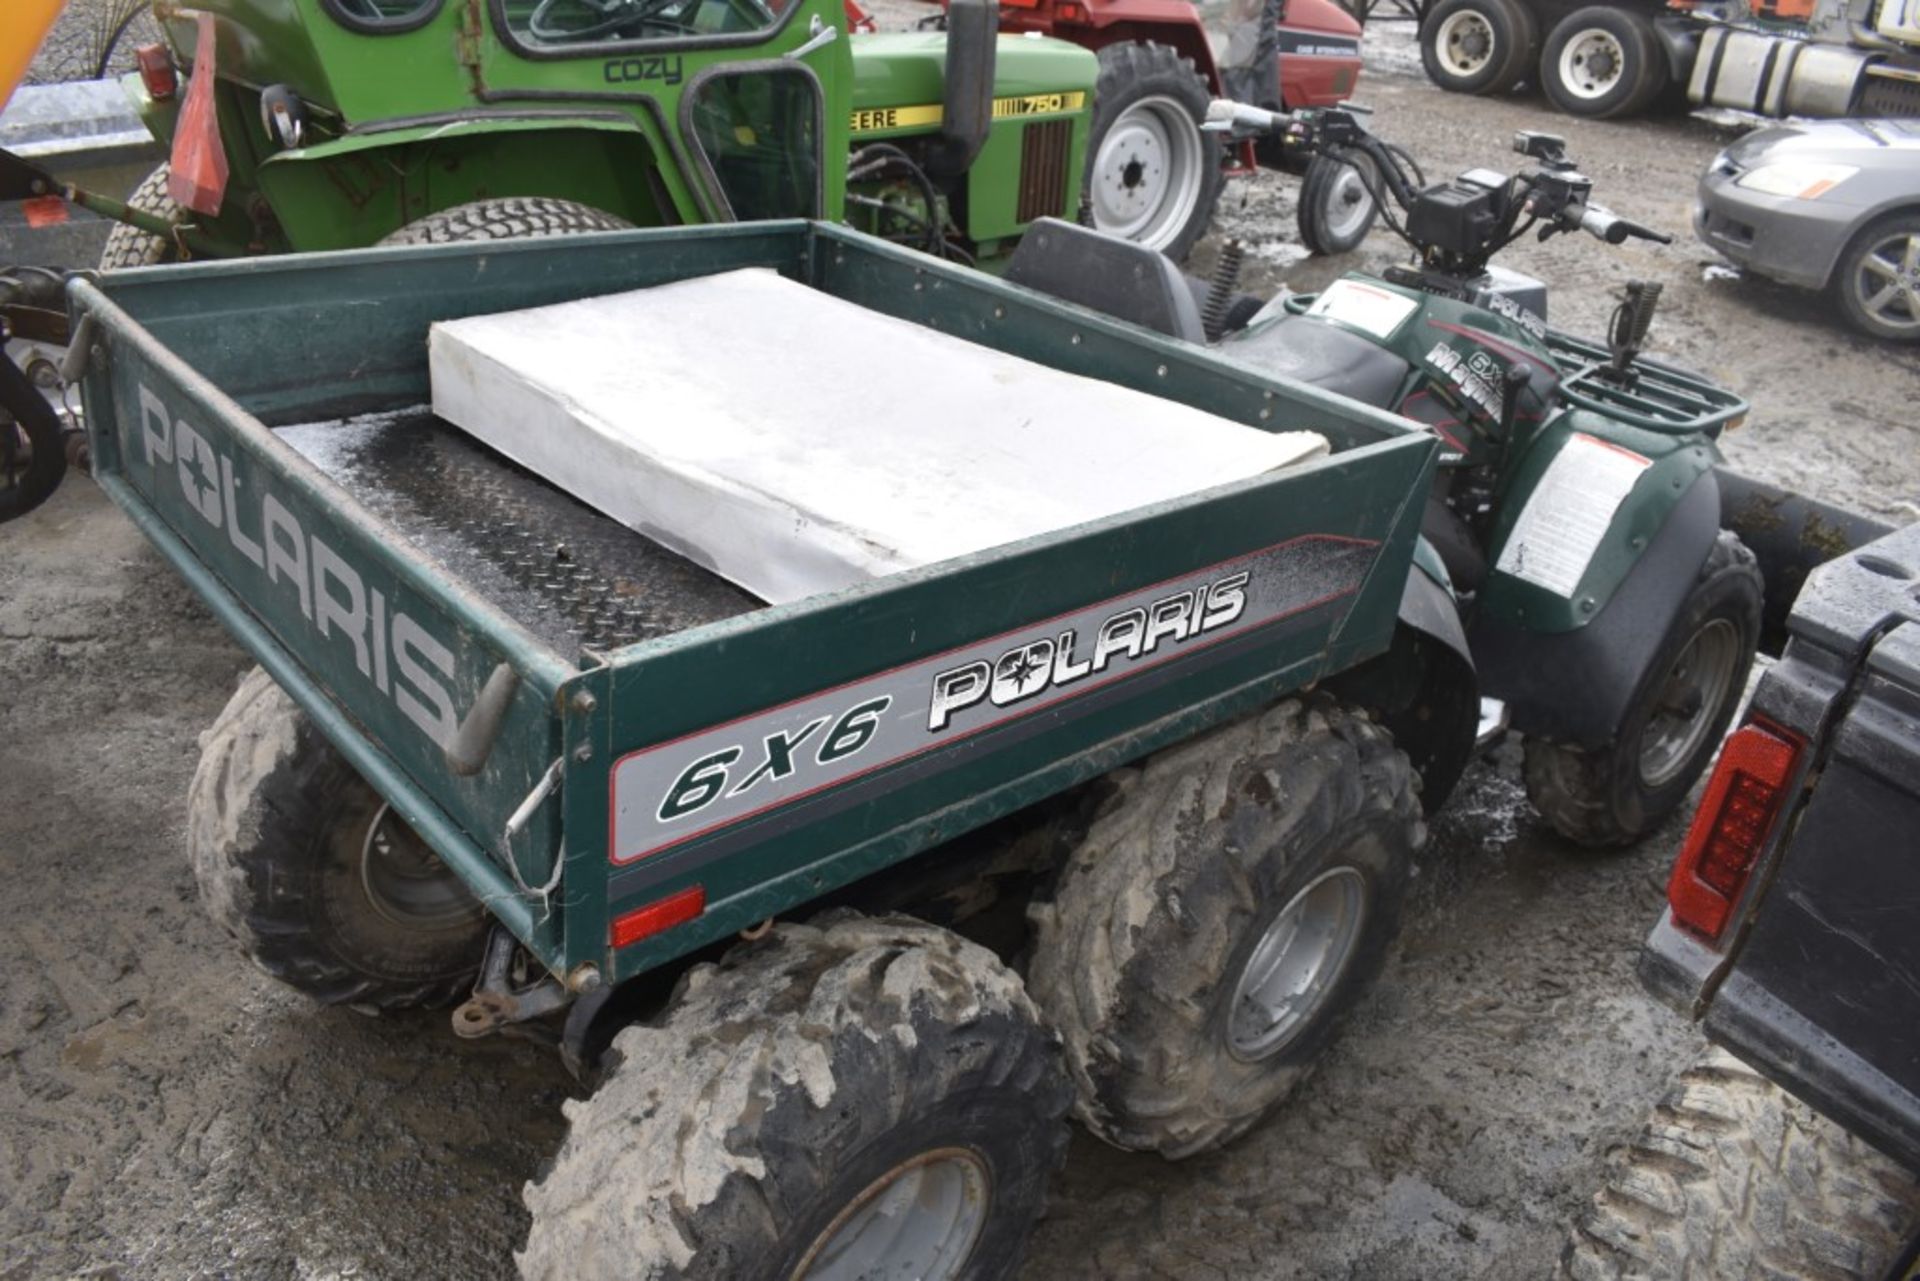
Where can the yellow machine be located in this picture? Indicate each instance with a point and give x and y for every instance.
(23, 25)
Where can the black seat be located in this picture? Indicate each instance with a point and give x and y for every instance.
(1315, 351)
(1117, 277)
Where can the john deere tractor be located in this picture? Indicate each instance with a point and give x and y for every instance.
(327, 124)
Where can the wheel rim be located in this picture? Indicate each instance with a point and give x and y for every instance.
(1465, 44)
(920, 1219)
(1886, 283)
(1295, 966)
(1347, 204)
(1592, 63)
(1689, 703)
(406, 882)
(1147, 173)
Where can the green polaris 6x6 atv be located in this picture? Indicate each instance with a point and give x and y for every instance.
(334, 124)
(1578, 508)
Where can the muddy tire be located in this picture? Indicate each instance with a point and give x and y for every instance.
(323, 887)
(855, 1073)
(1231, 901)
(1152, 175)
(1602, 62)
(1337, 207)
(1478, 46)
(512, 218)
(128, 246)
(1734, 1177)
(1615, 794)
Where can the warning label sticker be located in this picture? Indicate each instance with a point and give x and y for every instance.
(1368, 308)
(1563, 523)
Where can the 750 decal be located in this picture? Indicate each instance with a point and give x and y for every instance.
(673, 792)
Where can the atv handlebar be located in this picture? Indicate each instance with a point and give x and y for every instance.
(1606, 225)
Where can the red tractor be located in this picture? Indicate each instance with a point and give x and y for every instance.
(1152, 174)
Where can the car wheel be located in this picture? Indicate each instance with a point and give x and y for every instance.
(1878, 282)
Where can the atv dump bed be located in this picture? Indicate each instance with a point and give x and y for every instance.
(625, 757)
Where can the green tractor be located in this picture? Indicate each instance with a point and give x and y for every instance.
(331, 124)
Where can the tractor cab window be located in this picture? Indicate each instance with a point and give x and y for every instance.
(381, 17)
(758, 128)
(559, 24)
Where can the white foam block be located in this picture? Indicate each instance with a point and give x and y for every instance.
(797, 443)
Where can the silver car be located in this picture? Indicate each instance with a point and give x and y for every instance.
(1833, 204)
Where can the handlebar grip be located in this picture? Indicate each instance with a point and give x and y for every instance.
(1227, 114)
(1614, 229)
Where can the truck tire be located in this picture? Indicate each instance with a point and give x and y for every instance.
(1152, 176)
(128, 246)
(303, 863)
(1478, 46)
(510, 218)
(1615, 794)
(1734, 1177)
(1232, 899)
(1337, 205)
(1604, 61)
(1874, 293)
(873, 1092)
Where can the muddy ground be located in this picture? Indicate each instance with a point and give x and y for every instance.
(166, 1112)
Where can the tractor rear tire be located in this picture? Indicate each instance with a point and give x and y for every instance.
(127, 245)
(510, 218)
(1230, 903)
(1621, 44)
(321, 884)
(852, 1073)
(1152, 175)
(1734, 1177)
(1478, 46)
(1615, 794)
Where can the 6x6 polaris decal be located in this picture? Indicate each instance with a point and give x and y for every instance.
(673, 792)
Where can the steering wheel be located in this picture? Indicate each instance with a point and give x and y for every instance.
(614, 15)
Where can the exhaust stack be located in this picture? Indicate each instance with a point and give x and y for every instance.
(973, 28)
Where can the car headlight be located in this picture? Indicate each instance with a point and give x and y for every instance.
(1801, 179)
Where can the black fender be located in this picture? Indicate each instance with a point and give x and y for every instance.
(1424, 688)
(1680, 40)
(1574, 687)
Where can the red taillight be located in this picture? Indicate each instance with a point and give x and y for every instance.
(661, 914)
(157, 71)
(1743, 802)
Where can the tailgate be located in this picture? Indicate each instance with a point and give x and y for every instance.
(447, 706)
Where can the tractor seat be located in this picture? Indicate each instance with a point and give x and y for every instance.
(1310, 350)
(1109, 275)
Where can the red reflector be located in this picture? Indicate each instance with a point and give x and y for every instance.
(662, 914)
(157, 71)
(197, 173)
(1743, 800)
(44, 211)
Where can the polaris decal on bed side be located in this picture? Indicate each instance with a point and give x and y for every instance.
(672, 792)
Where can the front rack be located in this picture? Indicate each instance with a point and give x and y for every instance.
(1660, 397)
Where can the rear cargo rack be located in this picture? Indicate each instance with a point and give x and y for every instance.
(1660, 397)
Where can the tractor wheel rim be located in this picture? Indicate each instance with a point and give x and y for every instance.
(1690, 699)
(1147, 174)
(406, 882)
(920, 1219)
(1465, 44)
(1294, 968)
(1887, 283)
(1592, 64)
(1349, 204)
